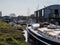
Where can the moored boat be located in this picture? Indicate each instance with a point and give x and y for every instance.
(49, 34)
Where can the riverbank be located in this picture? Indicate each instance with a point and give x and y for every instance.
(11, 35)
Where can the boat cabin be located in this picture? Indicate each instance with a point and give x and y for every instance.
(49, 14)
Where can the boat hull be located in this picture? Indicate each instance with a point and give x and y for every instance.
(41, 38)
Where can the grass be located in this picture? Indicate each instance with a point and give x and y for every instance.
(11, 35)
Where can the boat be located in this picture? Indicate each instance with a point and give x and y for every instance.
(48, 34)
(46, 29)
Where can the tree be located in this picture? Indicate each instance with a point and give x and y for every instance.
(32, 16)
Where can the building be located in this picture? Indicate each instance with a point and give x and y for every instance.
(0, 14)
(49, 13)
(6, 19)
(12, 15)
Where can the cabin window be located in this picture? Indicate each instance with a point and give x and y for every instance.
(56, 11)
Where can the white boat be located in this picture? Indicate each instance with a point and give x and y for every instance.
(49, 35)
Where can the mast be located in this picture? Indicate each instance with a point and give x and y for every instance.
(37, 6)
(37, 15)
(28, 12)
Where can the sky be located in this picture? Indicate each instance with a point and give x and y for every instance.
(24, 7)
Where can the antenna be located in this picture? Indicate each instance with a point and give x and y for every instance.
(45, 3)
(56, 1)
(38, 5)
